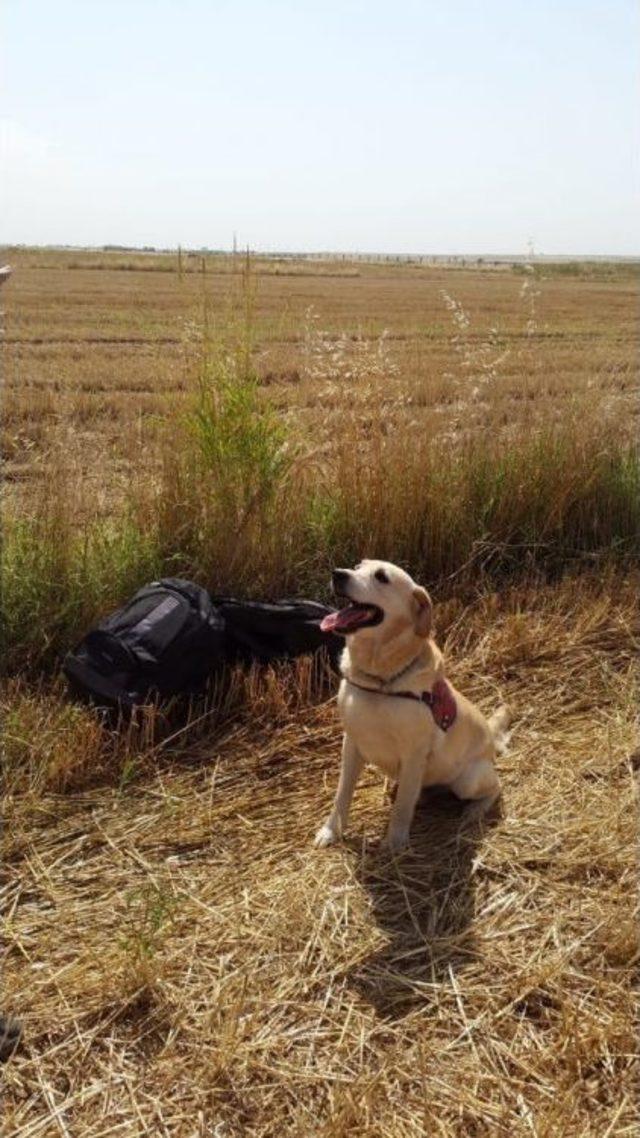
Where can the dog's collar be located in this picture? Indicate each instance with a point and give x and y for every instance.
(392, 679)
(441, 701)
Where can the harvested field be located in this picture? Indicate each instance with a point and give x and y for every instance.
(101, 352)
(182, 961)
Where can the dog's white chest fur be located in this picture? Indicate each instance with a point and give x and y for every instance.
(384, 729)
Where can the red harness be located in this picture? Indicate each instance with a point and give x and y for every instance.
(440, 701)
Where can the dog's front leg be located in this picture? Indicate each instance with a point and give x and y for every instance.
(336, 823)
(409, 787)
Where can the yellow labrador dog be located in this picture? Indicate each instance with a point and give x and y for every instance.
(398, 710)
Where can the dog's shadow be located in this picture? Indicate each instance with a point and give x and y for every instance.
(423, 902)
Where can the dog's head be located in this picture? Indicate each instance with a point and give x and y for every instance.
(381, 600)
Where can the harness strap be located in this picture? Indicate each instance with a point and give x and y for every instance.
(440, 701)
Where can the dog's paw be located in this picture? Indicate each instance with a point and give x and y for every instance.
(396, 840)
(325, 837)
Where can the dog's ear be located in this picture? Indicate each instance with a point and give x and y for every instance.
(423, 609)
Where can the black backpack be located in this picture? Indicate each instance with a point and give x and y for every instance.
(173, 636)
(165, 642)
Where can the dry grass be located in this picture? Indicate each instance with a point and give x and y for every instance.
(182, 960)
(186, 964)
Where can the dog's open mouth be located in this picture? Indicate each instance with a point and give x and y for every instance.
(352, 617)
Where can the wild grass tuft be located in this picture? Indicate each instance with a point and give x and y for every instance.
(228, 457)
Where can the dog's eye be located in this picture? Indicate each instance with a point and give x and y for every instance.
(381, 576)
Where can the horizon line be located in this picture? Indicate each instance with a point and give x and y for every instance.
(523, 258)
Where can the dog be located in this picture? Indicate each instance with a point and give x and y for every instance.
(398, 709)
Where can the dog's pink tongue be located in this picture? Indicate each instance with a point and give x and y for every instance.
(329, 622)
(347, 619)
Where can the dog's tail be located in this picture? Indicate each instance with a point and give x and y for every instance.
(499, 724)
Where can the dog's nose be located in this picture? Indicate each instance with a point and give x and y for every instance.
(339, 578)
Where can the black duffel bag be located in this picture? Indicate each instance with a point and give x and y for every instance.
(266, 631)
(173, 636)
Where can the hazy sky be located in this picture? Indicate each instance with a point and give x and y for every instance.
(408, 126)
